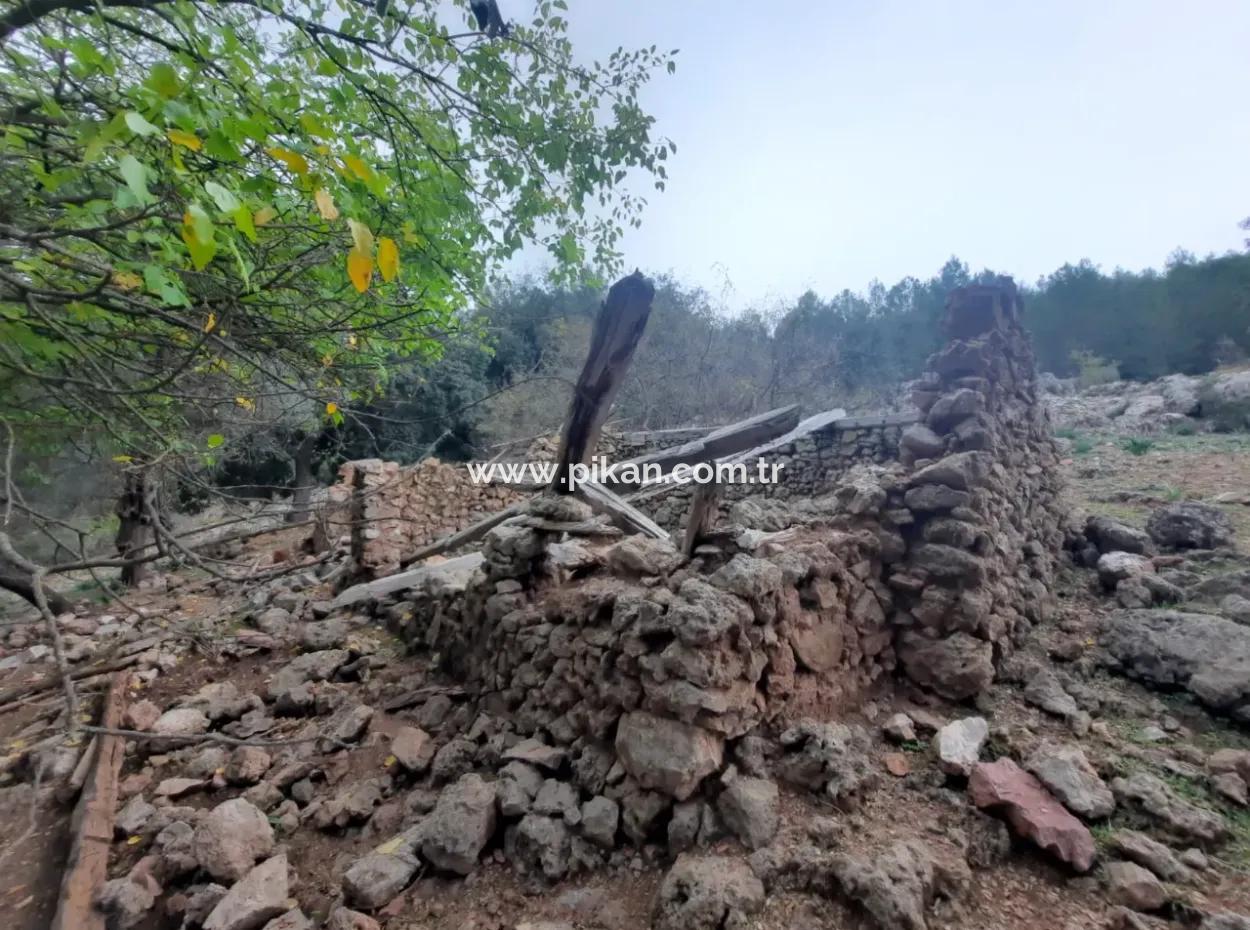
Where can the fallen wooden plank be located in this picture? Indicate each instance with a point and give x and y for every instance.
(721, 442)
(618, 330)
(453, 571)
(92, 823)
(703, 512)
(623, 514)
(813, 424)
(471, 533)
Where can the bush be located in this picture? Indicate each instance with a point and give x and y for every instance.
(1093, 369)
(1138, 446)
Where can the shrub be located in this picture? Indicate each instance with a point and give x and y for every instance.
(1138, 446)
(1093, 369)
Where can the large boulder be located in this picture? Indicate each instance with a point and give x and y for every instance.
(1111, 535)
(1114, 567)
(1206, 655)
(1004, 788)
(667, 755)
(708, 893)
(1226, 401)
(1190, 525)
(899, 885)
(375, 879)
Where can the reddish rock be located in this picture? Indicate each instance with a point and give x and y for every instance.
(896, 764)
(1032, 812)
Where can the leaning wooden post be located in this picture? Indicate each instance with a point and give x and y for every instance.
(618, 329)
(704, 506)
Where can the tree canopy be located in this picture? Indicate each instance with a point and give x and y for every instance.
(232, 213)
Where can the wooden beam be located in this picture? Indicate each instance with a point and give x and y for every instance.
(623, 514)
(702, 516)
(92, 824)
(618, 330)
(812, 424)
(723, 441)
(455, 571)
(471, 533)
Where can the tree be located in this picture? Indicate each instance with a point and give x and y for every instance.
(212, 204)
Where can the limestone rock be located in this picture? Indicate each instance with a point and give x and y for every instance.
(1063, 768)
(1114, 567)
(667, 755)
(1190, 525)
(231, 838)
(1004, 788)
(181, 721)
(258, 897)
(413, 749)
(1132, 886)
(749, 807)
(959, 745)
(461, 824)
(708, 893)
(957, 667)
(375, 879)
(1154, 798)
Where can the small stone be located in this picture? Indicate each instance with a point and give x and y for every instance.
(413, 749)
(600, 818)
(667, 755)
(247, 765)
(374, 880)
(900, 729)
(142, 715)
(1064, 769)
(896, 764)
(181, 721)
(707, 893)
(231, 838)
(534, 752)
(959, 745)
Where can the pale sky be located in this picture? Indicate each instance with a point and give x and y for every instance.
(826, 143)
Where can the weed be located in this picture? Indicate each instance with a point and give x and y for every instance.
(1066, 432)
(914, 745)
(1138, 445)
(1082, 446)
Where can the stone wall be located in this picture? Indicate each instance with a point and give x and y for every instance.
(389, 510)
(814, 464)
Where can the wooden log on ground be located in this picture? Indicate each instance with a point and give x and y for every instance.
(453, 571)
(618, 329)
(92, 823)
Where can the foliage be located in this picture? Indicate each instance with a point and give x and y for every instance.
(1092, 370)
(1137, 445)
(226, 218)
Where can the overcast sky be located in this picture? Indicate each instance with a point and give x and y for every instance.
(826, 143)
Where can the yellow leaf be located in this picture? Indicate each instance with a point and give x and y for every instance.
(246, 403)
(327, 360)
(293, 160)
(389, 761)
(127, 280)
(188, 140)
(263, 216)
(123, 459)
(391, 846)
(388, 258)
(321, 149)
(332, 408)
(356, 165)
(211, 323)
(360, 270)
(325, 205)
(362, 237)
(351, 340)
(134, 841)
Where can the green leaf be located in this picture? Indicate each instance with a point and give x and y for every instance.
(225, 200)
(164, 80)
(136, 177)
(140, 126)
(215, 440)
(243, 222)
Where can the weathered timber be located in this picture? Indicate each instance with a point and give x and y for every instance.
(92, 824)
(453, 571)
(618, 329)
(19, 583)
(723, 441)
(471, 533)
(703, 512)
(813, 424)
(619, 511)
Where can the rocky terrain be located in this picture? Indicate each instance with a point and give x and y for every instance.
(953, 693)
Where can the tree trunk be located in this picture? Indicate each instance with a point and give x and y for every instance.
(20, 583)
(135, 532)
(304, 481)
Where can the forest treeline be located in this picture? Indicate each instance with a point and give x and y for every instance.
(506, 374)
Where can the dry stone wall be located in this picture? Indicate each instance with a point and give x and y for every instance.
(388, 510)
